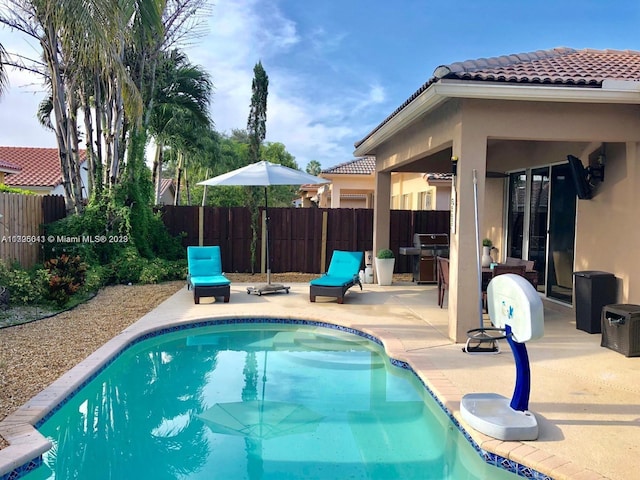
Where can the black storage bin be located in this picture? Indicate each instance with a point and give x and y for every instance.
(621, 329)
(594, 290)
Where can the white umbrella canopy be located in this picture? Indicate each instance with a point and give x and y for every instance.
(264, 174)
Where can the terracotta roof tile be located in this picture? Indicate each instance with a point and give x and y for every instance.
(9, 167)
(357, 166)
(559, 66)
(40, 167)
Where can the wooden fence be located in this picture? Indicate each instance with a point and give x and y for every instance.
(21, 238)
(302, 239)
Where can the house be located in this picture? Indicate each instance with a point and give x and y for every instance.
(39, 169)
(167, 192)
(421, 191)
(353, 186)
(510, 125)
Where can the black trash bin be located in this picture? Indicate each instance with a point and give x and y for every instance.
(594, 290)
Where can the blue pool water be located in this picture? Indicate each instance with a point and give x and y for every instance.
(256, 401)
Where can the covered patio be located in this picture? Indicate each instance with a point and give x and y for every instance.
(513, 120)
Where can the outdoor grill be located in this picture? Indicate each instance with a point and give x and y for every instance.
(426, 247)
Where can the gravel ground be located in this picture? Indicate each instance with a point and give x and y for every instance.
(35, 354)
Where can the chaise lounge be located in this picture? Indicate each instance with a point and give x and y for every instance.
(341, 276)
(205, 275)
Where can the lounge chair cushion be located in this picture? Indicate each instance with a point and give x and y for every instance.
(206, 280)
(344, 264)
(204, 261)
(332, 280)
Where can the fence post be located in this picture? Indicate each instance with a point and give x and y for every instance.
(263, 243)
(323, 245)
(201, 225)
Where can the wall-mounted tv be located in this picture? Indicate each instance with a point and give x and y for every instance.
(580, 177)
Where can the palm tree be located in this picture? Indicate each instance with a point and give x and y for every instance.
(314, 167)
(181, 105)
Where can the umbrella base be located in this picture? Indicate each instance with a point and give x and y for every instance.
(267, 288)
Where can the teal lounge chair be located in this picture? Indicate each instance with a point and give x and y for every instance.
(341, 276)
(205, 273)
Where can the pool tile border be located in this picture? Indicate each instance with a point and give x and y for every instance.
(489, 457)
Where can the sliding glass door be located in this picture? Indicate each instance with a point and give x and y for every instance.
(537, 221)
(541, 226)
(562, 230)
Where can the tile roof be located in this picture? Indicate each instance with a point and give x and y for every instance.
(8, 167)
(165, 185)
(357, 166)
(561, 66)
(40, 167)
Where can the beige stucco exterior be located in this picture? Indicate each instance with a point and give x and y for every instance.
(346, 191)
(511, 131)
(408, 192)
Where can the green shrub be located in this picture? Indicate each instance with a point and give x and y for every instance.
(127, 266)
(160, 270)
(25, 287)
(385, 253)
(66, 277)
(96, 277)
(486, 242)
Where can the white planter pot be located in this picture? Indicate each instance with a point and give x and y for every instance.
(486, 257)
(384, 270)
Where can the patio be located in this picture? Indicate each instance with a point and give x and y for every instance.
(586, 398)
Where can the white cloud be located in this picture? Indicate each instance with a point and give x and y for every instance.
(315, 121)
(18, 113)
(315, 117)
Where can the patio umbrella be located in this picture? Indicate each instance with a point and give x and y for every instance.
(264, 174)
(260, 420)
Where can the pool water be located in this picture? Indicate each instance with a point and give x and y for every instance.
(256, 401)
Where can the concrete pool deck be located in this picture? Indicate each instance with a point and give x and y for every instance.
(586, 398)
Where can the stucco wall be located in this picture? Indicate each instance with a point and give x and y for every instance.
(608, 226)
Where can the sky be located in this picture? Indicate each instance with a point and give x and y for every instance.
(337, 68)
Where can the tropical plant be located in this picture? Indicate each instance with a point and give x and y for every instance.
(66, 276)
(181, 105)
(314, 167)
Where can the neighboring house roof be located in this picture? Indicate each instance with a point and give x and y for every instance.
(40, 167)
(166, 184)
(357, 166)
(9, 167)
(564, 67)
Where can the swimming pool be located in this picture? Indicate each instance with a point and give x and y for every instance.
(256, 400)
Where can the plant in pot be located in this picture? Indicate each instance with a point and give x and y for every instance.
(487, 246)
(385, 262)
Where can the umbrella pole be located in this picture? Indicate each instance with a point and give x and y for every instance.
(266, 222)
(479, 341)
(268, 287)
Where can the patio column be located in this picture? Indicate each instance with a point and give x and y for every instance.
(335, 195)
(471, 149)
(381, 212)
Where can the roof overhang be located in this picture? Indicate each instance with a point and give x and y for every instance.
(612, 92)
